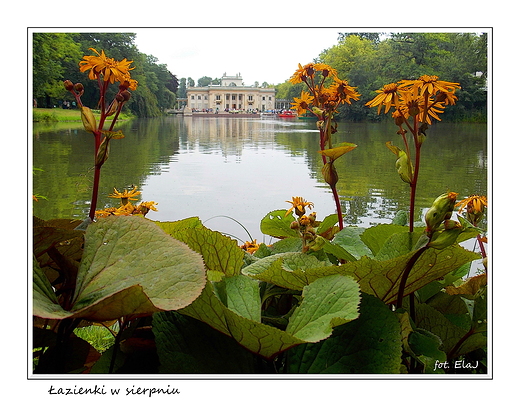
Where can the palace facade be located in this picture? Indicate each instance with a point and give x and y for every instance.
(230, 95)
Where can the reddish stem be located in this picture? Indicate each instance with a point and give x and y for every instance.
(338, 207)
(481, 245)
(97, 174)
(413, 185)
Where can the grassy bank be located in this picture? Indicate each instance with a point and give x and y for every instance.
(65, 115)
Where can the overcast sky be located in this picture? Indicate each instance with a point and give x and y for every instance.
(259, 54)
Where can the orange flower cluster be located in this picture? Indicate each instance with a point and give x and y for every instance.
(127, 208)
(325, 99)
(423, 98)
(110, 69)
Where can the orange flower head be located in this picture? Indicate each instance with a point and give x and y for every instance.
(303, 103)
(388, 96)
(110, 69)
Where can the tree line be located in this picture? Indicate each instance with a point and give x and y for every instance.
(371, 60)
(367, 60)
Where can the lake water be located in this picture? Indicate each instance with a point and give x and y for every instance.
(242, 168)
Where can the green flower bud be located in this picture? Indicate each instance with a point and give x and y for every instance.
(102, 153)
(330, 174)
(317, 243)
(404, 167)
(441, 210)
(88, 119)
(445, 238)
(316, 110)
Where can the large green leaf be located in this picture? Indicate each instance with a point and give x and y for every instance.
(188, 346)
(425, 347)
(59, 234)
(376, 236)
(242, 296)
(276, 224)
(45, 303)
(287, 270)
(371, 344)
(349, 239)
(262, 339)
(220, 253)
(432, 320)
(327, 223)
(129, 267)
(381, 278)
(330, 302)
(327, 302)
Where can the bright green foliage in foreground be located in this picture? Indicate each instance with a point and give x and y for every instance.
(189, 300)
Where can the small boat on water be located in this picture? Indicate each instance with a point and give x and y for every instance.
(307, 116)
(288, 113)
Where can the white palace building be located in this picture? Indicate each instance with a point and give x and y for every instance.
(230, 95)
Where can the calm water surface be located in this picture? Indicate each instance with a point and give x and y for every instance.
(241, 168)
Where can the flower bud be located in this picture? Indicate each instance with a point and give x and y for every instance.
(317, 243)
(398, 118)
(317, 111)
(441, 97)
(113, 107)
(404, 167)
(330, 175)
(126, 95)
(88, 119)
(68, 85)
(78, 87)
(445, 238)
(304, 220)
(441, 210)
(451, 224)
(413, 108)
(295, 225)
(102, 153)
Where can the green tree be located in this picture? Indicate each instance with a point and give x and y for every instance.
(204, 81)
(53, 55)
(344, 56)
(181, 91)
(373, 37)
(369, 63)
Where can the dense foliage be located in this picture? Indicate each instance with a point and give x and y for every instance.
(55, 57)
(369, 60)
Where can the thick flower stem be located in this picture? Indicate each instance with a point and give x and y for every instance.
(413, 185)
(406, 273)
(97, 174)
(338, 207)
(95, 188)
(481, 245)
